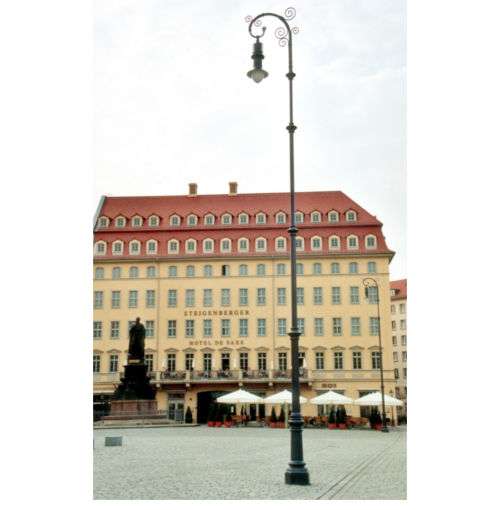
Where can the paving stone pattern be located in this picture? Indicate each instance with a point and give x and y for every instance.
(248, 463)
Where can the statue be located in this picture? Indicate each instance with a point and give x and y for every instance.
(136, 345)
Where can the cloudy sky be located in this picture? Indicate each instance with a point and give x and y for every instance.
(173, 104)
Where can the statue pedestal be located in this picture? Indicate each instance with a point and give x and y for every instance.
(135, 383)
(134, 409)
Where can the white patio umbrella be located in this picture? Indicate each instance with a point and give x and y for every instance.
(192, 365)
(213, 363)
(272, 365)
(240, 397)
(234, 363)
(305, 363)
(163, 366)
(332, 398)
(375, 399)
(285, 397)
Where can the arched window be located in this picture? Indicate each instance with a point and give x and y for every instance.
(225, 270)
(372, 267)
(335, 268)
(281, 269)
(316, 268)
(300, 268)
(99, 273)
(243, 270)
(134, 272)
(117, 272)
(353, 268)
(261, 270)
(172, 271)
(207, 271)
(151, 272)
(190, 271)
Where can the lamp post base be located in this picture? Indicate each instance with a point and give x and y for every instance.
(385, 429)
(297, 476)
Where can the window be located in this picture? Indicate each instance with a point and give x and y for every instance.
(134, 272)
(354, 295)
(352, 243)
(174, 221)
(393, 325)
(403, 324)
(260, 245)
(225, 245)
(300, 268)
(117, 272)
(209, 220)
(136, 222)
(335, 295)
(243, 270)
(173, 247)
(351, 216)
(117, 248)
(207, 271)
(281, 296)
(172, 272)
(150, 299)
(148, 359)
(299, 243)
(207, 328)
(103, 222)
(189, 329)
(226, 219)
(316, 243)
(281, 327)
(335, 268)
(355, 326)
(372, 295)
(151, 272)
(356, 361)
(262, 361)
(190, 297)
(261, 270)
(394, 356)
(115, 299)
(97, 363)
(243, 245)
(375, 360)
(282, 361)
(192, 221)
(394, 340)
(151, 247)
(243, 218)
(153, 221)
(261, 219)
(207, 297)
(396, 373)
(301, 325)
(243, 327)
(300, 295)
(403, 340)
(225, 270)
(225, 297)
(261, 327)
(372, 267)
(134, 247)
(243, 297)
(243, 361)
(150, 329)
(190, 271)
(371, 242)
(405, 357)
(316, 268)
(190, 246)
(299, 218)
(172, 329)
(333, 216)
(338, 359)
(113, 364)
(115, 329)
(261, 297)
(374, 326)
(280, 218)
(98, 298)
(402, 308)
(280, 244)
(315, 218)
(320, 361)
(97, 330)
(318, 327)
(281, 269)
(99, 273)
(171, 362)
(405, 375)
(189, 361)
(334, 243)
(353, 268)
(172, 298)
(225, 327)
(393, 309)
(337, 326)
(318, 295)
(208, 246)
(101, 248)
(132, 299)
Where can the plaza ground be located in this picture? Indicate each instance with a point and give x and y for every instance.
(248, 464)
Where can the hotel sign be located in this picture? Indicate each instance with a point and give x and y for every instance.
(209, 313)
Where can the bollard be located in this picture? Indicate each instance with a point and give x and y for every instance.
(113, 441)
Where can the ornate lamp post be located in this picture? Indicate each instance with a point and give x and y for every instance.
(392, 411)
(366, 283)
(297, 473)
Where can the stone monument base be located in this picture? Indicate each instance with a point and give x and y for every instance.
(134, 409)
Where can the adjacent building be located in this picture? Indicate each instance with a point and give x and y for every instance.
(399, 327)
(209, 276)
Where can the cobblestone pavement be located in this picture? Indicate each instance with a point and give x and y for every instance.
(248, 463)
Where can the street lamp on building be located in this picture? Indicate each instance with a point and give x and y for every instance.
(297, 473)
(366, 283)
(392, 411)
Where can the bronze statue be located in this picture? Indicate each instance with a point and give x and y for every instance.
(136, 345)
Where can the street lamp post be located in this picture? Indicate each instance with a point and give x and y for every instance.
(392, 411)
(297, 473)
(366, 283)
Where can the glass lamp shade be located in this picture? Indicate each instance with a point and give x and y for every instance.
(257, 75)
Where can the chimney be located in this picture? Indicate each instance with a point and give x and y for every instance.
(233, 189)
(193, 189)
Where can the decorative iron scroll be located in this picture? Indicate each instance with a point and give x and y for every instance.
(281, 32)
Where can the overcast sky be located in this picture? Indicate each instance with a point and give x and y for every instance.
(173, 104)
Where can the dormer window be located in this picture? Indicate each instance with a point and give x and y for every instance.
(152, 247)
(333, 216)
(226, 219)
(299, 243)
(243, 245)
(101, 248)
(175, 221)
(192, 220)
(299, 217)
(280, 244)
(351, 216)
(243, 218)
(334, 243)
(260, 244)
(316, 243)
(136, 221)
(120, 222)
(352, 243)
(103, 222)
(134, 247)
(208, 246)
(118, 248)
(261, 219)
(153, 221)
(173, 247)
(315, 217)
(190, 246)
(371, 242)
(209, 219)
(280, 218)
(225, 245)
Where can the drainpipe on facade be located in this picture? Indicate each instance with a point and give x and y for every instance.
(274, 324)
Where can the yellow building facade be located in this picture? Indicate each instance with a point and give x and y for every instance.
(215, 297)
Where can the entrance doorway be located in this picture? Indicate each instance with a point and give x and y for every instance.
(175, 406)
(204, 399)
(365, 410)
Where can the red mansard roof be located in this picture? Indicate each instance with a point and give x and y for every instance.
(400, 287)
(252, 204)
